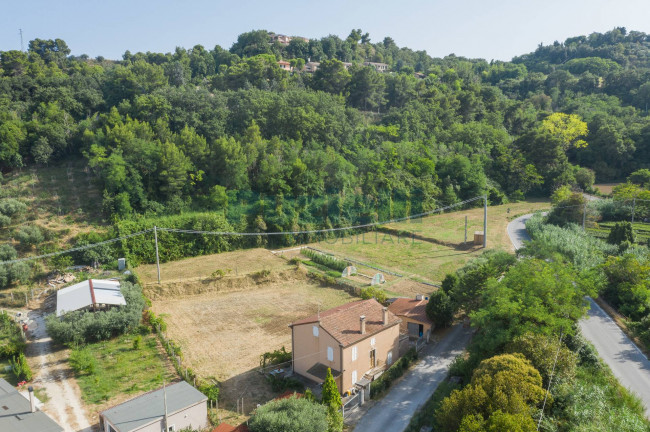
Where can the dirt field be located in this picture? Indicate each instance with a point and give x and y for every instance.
(606, 188)
(235, 263)
(222, 334)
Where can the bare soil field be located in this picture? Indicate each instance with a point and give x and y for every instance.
(234, 263)
(606, 188)
(223, 334)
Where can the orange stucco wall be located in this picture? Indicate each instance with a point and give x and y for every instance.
(309, 350)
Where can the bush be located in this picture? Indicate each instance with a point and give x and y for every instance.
(30, 235)
(12, 208)
(275, 357)
(326, 260)
(20, 368)
(383, 383)
(210, 390)
(621, 232)
(289, 415)
(374, 292)
(137, 341)
(282, 384)
(82, 327)
(82, 361)
(542, 351)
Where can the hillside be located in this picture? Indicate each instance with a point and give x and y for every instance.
(261, 148)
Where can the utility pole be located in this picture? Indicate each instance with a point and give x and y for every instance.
(465, 228)
(22, 48)
(485, 221)
(165, 403)
(155, 236)
(584, 216)
(633, 208)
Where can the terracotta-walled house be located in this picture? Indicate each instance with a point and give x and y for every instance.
(413, 313)
(355, 340)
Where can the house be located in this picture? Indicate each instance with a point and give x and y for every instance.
(90, 294)
(413, 313)
(380, 67)
(285, 65)
(311, 67)
(183, 405)
(356, 341)
(284, 39)
(19, 414)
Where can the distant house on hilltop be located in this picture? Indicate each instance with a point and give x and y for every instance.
(380, 67)
(285, 65)
(186, 408)
(355, 340)
(91, 294)
(284, 39)
(311, 67)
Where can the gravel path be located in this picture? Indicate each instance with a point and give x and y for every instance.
(64, 403)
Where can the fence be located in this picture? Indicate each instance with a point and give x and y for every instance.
(353, 402)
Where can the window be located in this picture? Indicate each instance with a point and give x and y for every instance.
(354, 377)
(389, 360)
(315, 330)
(171, 428)
(354, 353)
(372, 341)
(330, 354)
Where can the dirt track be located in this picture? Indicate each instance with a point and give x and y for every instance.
(64, 404)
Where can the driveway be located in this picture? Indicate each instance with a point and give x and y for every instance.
(394, 412)
(624, 358)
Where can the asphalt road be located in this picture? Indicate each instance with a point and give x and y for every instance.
(394, 412)
(517, 231)
(624, 358)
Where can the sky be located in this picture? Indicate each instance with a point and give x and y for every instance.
(490, 30)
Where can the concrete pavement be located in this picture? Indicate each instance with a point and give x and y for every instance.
(395, 410)
(622, 356)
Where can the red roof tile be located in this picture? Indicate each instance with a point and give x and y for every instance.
(411, 308)
(225, 427)
(343, 322)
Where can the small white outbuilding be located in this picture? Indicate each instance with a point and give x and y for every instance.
(90, 294)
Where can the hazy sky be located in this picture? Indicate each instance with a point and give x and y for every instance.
(471, 28)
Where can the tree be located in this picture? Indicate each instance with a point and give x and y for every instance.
(503, 384)
(620, 233)
(29, 235)
(330, 395)
(640, 177)
(366, 88)
(440, 309)
(331, 76)
(290, 415)
(525, 300)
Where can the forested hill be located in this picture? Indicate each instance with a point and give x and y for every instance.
(200, 128)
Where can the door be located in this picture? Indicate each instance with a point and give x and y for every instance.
(372, 358)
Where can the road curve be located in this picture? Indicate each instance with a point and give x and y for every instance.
(624, 358)
(395, 410)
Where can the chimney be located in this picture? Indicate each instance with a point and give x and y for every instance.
(32, 401)
(362, 318)
(385, 316)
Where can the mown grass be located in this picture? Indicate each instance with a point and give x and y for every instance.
(122, 370)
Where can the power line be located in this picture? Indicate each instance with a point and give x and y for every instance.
(231, 233)
(550, 381)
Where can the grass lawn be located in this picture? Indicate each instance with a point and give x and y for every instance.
(123, 371)
(439, 248)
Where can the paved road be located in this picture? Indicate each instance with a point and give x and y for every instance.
(624, 358)
(394, 412)
(517, 231)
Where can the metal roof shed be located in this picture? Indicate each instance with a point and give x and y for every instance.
(186, 407)
(89, 293)
(16, 413)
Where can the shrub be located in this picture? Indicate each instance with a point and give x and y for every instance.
(210, 390)
(12, 208)
(542, 351)
(20, 368)
(279, 384)
(137, 341)
(326, 260)
(381, 384)
(82, 361)
(275, 357)
(290, 415)
(374, 292)
(621, 232)
(30, 235)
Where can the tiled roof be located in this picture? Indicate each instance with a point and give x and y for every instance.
(342, 322)
(411, 308)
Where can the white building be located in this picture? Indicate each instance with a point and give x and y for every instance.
(90, 294)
